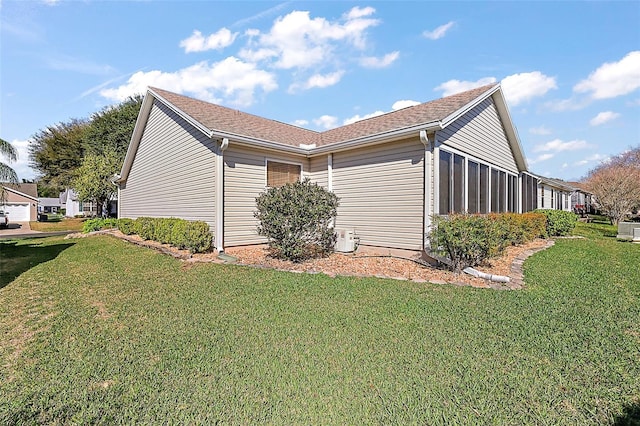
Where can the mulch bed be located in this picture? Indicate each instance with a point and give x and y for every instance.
(361, 265)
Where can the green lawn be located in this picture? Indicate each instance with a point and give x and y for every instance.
(98, 331)
(58, 224)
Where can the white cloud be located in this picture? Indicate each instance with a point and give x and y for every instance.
(592, 158)
(358, 117)
(403, 104)
(439, 32)
(452, 87)
(603, 117)
(298, 41)
(523, 87)
(230, 79)
(540, 158)
(571, 104)
(374, 62)
(540, 131)
(318, 80)
(613, 79)
(558, 145)
(326, 122)
(21, 165)
(198, 43)
(357, 12)
(300, 123)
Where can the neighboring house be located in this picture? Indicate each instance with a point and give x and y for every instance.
(20, 201)
(581, 199)
(199, 161)
(73, 207)
(554, 194)
(49, 205)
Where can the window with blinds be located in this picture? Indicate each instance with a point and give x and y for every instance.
(279, 174)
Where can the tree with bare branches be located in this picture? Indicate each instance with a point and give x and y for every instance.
(615, 185)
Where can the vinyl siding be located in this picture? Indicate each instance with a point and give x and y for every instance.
(244, 179)
(318, 170)
(173, 174)
(381, 193)
(479, 133)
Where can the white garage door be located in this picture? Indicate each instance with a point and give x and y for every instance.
(18, 212)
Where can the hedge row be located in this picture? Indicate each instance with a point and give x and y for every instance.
(559, 222)
(180, 233)
(469, 240)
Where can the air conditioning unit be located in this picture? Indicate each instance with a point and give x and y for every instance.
(345, 241)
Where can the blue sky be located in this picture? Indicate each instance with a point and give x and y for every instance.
(570, 70)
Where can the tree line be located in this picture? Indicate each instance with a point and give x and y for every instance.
(85, 154)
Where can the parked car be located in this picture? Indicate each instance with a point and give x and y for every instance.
(4, 219)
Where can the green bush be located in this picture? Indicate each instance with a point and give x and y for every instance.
(145, 227)
(467, 240)
(297, 220)
(470, 240)
(559, 222)
(126, 226)
(180, 233)
(517, 228)
(198, 237)
(97, 224)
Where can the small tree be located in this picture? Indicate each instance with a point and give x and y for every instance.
(297, 220)
(615, 185)
(93, 179)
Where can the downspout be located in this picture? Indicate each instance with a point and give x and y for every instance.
(426, 222)
(330, 172)
(219, 205)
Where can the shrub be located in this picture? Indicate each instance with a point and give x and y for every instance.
(559, 222)
(297, 220)
(519, 228)
(144, 227)
(97, 224)
(470, 240)
(467, 240)
(180, 233)
(126, 226)
(197, 238)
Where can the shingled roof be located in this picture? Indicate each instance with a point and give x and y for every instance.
(227, 120)
(30, 189)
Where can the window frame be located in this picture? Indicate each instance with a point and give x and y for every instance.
(503, 197)
(268, 160)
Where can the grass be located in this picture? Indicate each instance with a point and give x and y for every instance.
(63, 224)
(96, 331)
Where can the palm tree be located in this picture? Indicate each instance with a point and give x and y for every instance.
(7, 174)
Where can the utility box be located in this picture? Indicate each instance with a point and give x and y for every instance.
(345, 241)
(629, 231)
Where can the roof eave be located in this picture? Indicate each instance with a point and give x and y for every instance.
(377, 138)
(15, 191)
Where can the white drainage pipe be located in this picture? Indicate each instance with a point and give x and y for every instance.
(484, 275)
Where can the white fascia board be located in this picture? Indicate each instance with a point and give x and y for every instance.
(258, 143)
(19, 193)
(510, 130)
(141, 121)
(466, 108)
(379, 138)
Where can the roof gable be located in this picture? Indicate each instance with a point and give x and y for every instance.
(26, 189)
(222, 122)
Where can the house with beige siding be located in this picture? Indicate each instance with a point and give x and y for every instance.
(19, 201)
(199, 161)
(554, 194)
